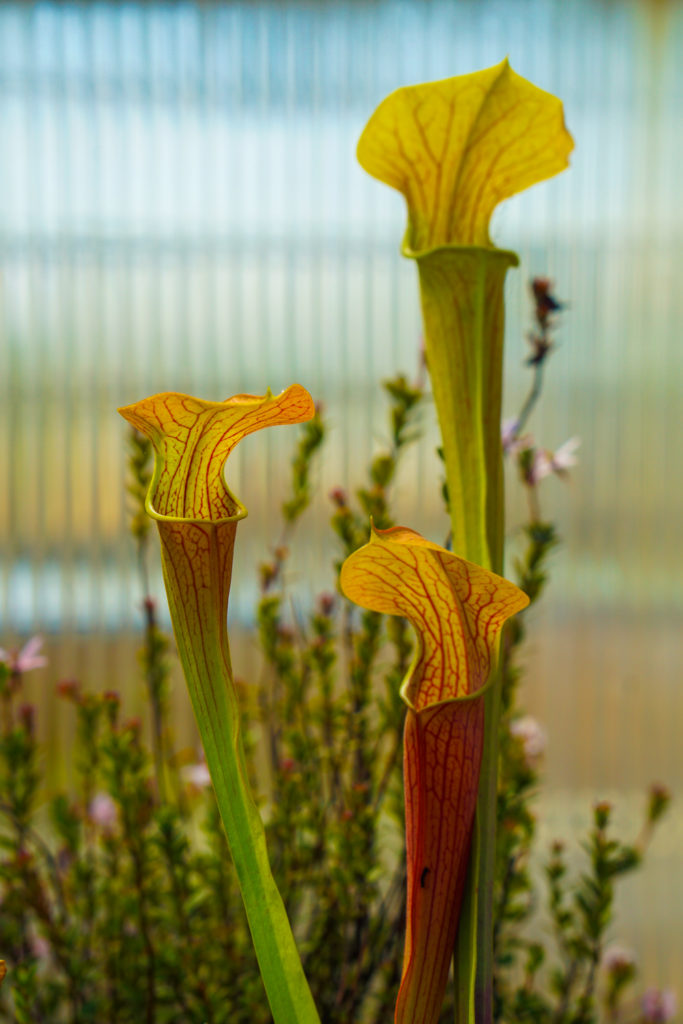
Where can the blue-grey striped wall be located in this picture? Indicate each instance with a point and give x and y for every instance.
(180, 208)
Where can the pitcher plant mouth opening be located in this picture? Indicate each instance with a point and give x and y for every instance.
(192, 440)
(457, 147)
(457, 610)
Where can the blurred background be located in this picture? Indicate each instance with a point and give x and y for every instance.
(180, 209)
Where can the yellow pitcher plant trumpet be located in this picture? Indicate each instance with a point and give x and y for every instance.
(455, 149)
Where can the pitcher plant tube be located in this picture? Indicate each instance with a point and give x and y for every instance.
(197, 519)
(457, 609)
(455, 149)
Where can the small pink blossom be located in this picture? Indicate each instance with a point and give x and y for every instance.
(537, 467)
(511, 441)
(40, 947)
(102, 811)
(618, 960)
(544, 462)
(658, 1006)
(508, 433)
(27, 658)
(541, 466)
(565, 457)
(532, 736)
(197, 775)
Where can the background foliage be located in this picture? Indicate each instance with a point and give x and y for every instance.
(123, 906)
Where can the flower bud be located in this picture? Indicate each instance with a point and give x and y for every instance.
(339, 497)
(602, 811)
(27, 717)
(659, 800)
(326, 604)
(69, 689)
(658, 1006)
(531, 736)
(619, 963)
(102, 811)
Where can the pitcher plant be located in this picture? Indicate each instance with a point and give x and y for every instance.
(456, 148)
(197, 518)
(458, 610)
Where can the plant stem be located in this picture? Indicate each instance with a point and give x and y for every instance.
(154, 685)
(201, 553)
(531, 398)
(484, 848)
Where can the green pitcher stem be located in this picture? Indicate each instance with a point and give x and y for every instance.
(461, 292)
(196, 560)
(462, 303)
(484, 855)
(461, 289)
(473, 956)
(483, 851)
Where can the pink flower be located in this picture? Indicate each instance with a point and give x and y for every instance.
(40, 947)
(102, 811)
(564, 458)
(197, 775)
(512, 442)
(531, 735)
(539, 467)
(658, 1006)
(508, 433)
(619, 961)
(544, 462)
(26, 659)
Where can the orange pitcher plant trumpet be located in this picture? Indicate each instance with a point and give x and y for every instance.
(457, 609)
(197, 518)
